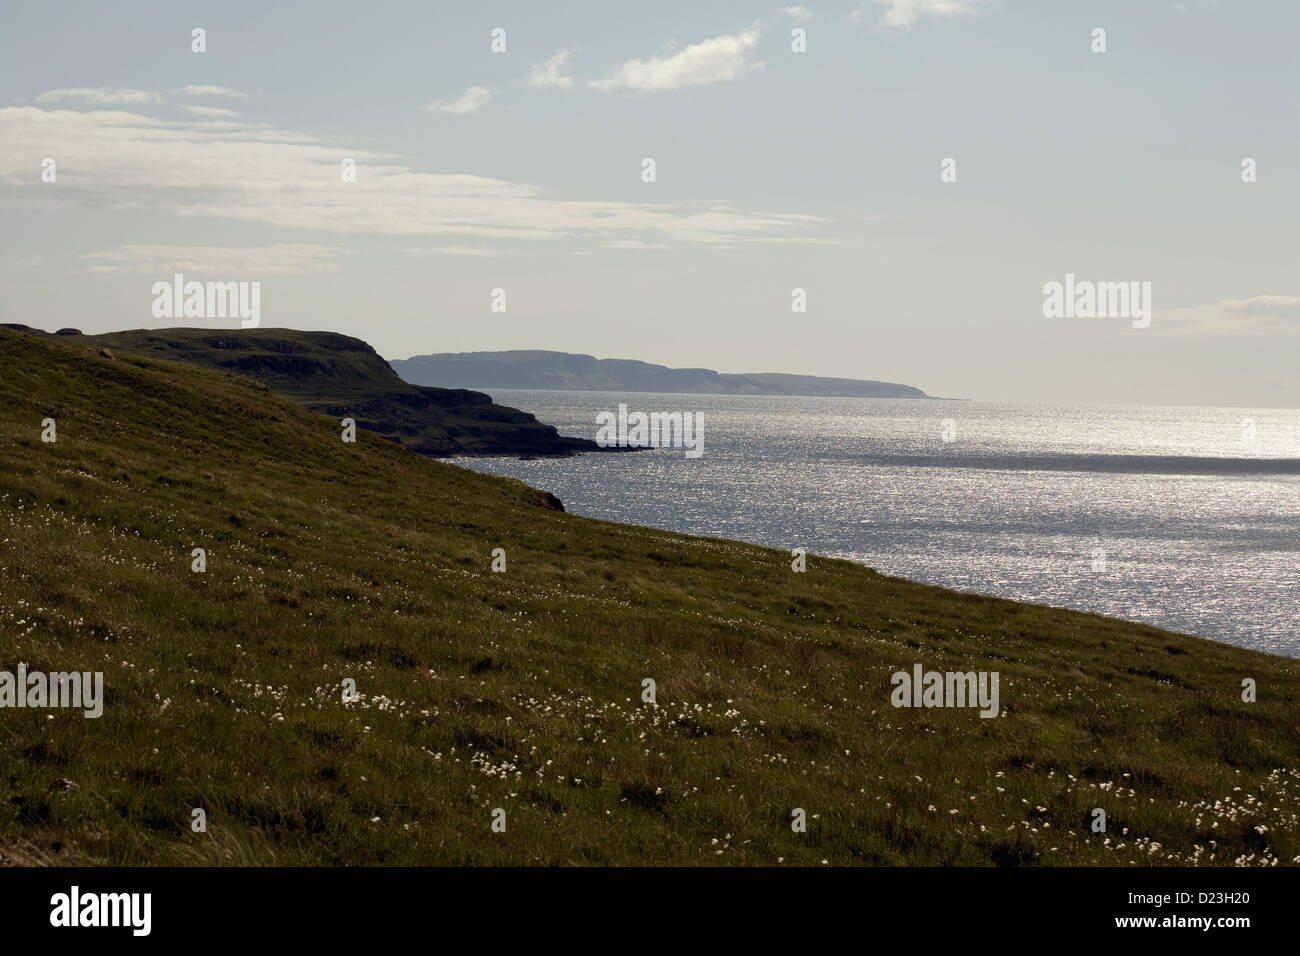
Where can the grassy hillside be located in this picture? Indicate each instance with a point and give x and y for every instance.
(521, 690)
(342, 376)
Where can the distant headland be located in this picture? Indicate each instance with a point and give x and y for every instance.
(567, 370)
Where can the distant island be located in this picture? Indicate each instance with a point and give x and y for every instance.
(529, 368)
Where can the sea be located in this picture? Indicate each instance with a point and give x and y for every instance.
(1185, 518)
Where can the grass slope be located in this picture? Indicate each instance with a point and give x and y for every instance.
(521, 690)
(342, 376)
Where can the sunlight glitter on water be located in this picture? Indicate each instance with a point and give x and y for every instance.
(1196, 510)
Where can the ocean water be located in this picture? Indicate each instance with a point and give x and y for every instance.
(1194, 511)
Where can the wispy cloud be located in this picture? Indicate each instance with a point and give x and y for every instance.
(248, 172)
(1277, 306)
(101, 95)
(281, 259)
(799, 13)
(471, 101)
(904, 14)
(482, 252)
(711, 61)
(548, 74)
(633, 244)
(453, 251)
(212, 111)
(1257, 315)
(213, 91)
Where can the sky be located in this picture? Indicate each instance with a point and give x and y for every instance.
(522, 168)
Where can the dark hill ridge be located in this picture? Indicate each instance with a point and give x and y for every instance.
(342, 376)
(566, 370)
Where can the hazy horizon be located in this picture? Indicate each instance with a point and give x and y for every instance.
(767, 371)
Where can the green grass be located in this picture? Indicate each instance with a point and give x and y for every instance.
(521, 690)
(342, 377)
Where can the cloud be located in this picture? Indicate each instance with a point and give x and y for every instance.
(1275, 306)
(548, 74)
(249, 172)
(904, 14)
(219, 262)
(213, 111)
(1258, 315)
(799, 13)
(485, 253)
(454, 251)
(711, 61)
(471, 101)
(632, 244)
(213, 91)
(99, 94)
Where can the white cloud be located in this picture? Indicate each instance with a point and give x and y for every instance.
(213, 111)
(99, 94)
(711, 61)
(219, 262)
(1276, 306)
(471, 101)
(249, 172)
(486, 253)
(1258, 315)
(633, 244)
(454, 251)
(548, 74)
(905, 13)
(799, 13)
(213, 91)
